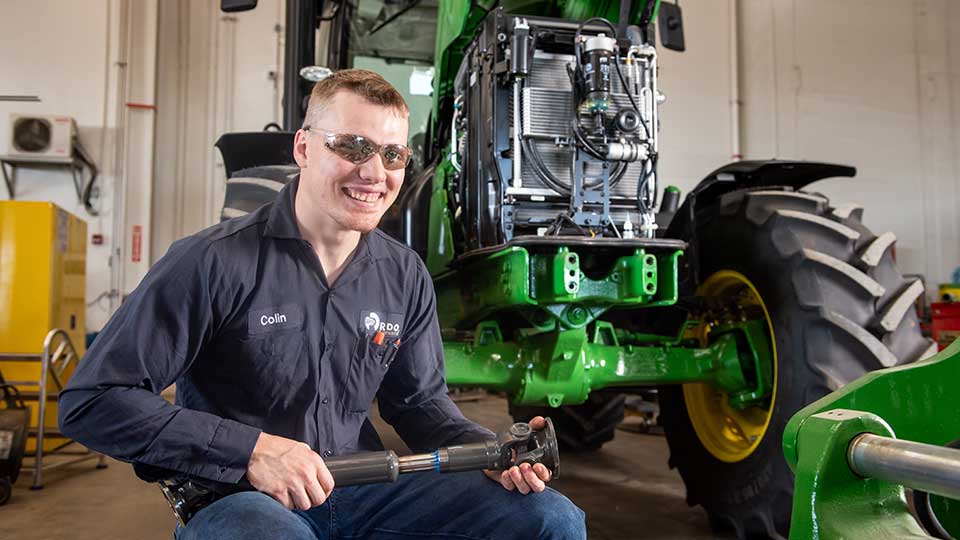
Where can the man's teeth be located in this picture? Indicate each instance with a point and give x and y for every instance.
(363, 196)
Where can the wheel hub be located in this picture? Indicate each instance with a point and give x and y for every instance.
(731, 433)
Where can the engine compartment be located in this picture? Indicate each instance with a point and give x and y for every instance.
(554, 132)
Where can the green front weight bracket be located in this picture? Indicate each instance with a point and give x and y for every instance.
(915, 402)
(551, 289)
(557, 368)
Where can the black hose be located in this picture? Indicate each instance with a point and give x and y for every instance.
(86, 196)
(644, 184)
(601, 20)
(541, 169)
(585, 143)
(554, 183)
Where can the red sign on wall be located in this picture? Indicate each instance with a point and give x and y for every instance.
(135, 250)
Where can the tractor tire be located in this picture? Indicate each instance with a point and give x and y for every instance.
(252, 188)
(6, 489)
(580, 428)
(838, 308)
(925, 506)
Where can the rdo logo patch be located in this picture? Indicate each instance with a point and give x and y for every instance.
(388, 323)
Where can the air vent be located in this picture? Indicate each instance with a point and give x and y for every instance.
(32, 135)
(41, 138)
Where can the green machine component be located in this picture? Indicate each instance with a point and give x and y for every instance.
(855, 450)
(563, 367)
(551, 289)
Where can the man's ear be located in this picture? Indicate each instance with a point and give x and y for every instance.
(300, 148)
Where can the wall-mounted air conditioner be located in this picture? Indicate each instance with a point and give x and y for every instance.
(41, 138)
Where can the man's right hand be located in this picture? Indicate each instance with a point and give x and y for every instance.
(290, 472)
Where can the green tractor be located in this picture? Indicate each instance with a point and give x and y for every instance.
(568, 277)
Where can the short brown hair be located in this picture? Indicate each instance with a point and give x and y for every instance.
(367, 84)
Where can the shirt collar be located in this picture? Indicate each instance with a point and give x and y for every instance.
(282, 219)
(282, 223)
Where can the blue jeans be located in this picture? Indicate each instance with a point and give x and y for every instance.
(461, 506)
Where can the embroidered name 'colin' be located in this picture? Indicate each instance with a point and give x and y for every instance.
(276, 318)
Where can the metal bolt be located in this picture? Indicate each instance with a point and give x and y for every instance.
(520, 430)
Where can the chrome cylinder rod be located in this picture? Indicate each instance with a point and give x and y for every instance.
(925, 467)
(419, 463)
(517, 122)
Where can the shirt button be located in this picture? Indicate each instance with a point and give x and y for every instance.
(327, 453)
(325, 401)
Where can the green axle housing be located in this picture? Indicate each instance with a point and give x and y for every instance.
(555, 360)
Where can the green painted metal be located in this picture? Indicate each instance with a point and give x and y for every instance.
(914, 402)
(440, 248)
(563, 367)
(550, 288)
(754, 339)
(752, 382)
(830, 501)
(914, 399)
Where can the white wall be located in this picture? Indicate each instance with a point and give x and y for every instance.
(695, 133)
(217, 73)
(87, 59)
(870, 83)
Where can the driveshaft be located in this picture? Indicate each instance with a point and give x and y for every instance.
(515, 445)
(518, 444)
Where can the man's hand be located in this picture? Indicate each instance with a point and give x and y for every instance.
(290, 472)
(524, 478)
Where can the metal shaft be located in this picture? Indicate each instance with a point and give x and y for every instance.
(517, 182)
(419, 462)
(463, 457)
(925, 467)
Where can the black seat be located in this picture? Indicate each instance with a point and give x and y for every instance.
(255, 149)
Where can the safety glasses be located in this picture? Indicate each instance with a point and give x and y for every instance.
(358, 149)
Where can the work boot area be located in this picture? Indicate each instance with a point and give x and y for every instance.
(485, 270)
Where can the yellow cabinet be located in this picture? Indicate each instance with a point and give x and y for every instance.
(43, 254)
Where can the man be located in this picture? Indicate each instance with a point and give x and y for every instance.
(269, 324)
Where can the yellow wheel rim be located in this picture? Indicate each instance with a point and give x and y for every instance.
(729, 434)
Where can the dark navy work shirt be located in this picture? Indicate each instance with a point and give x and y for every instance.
(240, 315)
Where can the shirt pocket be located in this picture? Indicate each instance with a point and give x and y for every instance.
(368, 364)
(274, 363)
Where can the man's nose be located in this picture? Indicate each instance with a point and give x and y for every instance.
(372, 170)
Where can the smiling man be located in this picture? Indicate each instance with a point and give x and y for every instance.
(266, 323)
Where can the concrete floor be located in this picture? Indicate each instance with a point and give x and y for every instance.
(626, 490)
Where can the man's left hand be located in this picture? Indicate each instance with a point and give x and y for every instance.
(524, 478)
